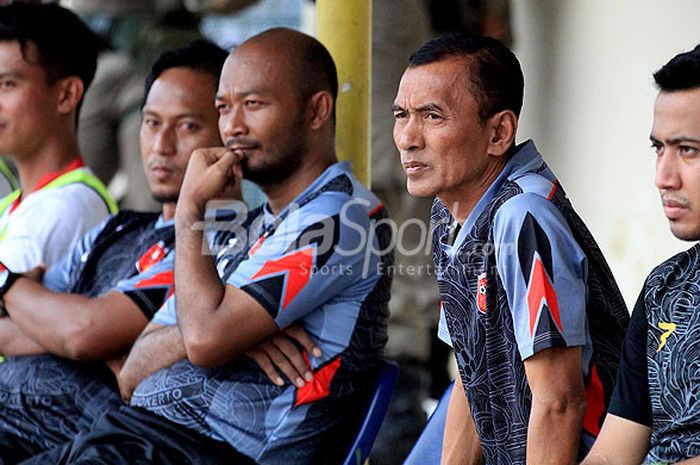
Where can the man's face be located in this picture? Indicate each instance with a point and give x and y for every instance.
(676, 139)
(178, 117)
(28, 104)
(261, 114)
(437, 130)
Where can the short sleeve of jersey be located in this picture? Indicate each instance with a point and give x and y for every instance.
(630, 398)
(543, 271)
(166, 315)
(150, 289)
(58, 278)
(316, 253)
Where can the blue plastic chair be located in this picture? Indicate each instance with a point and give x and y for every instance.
(374, 415)
(428, 448)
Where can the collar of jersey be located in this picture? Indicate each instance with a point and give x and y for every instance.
(333, 171)
(523, 160)
(162, 222)
(48, 178)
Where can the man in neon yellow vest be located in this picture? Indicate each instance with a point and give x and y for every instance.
(47, 61)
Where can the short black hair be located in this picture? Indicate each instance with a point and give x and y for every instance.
(65, 45)
(681, 73)
(495, 80)
(199, 55)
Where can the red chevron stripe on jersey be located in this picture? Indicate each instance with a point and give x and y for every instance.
(166, 278)
(595, 404)
(319, 387)
(554, 189)
(296, 265)
(541, 294)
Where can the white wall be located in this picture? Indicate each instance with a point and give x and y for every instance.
(589, 96)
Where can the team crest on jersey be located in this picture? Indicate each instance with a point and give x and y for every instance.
(481, 293)
(151, 257)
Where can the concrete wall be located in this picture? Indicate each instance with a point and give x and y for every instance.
(588, 105)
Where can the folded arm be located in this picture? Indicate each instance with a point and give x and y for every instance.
(72, 325)
(14, 341)
(283, 353)
(158, 347)
(207, 310)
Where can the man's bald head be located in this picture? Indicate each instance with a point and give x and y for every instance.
(303, 60)
(276, 103)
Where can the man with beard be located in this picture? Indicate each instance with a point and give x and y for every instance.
(92, 305)
(311, 255)
(654, 415)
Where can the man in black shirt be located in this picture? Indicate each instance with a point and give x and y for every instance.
(654, 414)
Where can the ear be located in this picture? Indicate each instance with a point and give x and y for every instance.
(70, 91)
(503, 127)
(320, 109)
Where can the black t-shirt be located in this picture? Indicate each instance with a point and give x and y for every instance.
(658, 378)
(630, 398)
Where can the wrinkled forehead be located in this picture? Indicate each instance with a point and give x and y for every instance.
(445, 81)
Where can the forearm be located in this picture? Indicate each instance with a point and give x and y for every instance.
(75, 326)
(158, 348)
(115, 365)
(620, 442)
(460, 445)
(558, 405)
(199, 288)
(14, 341)
(554, 430)
(43, 314)
(218, 322)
